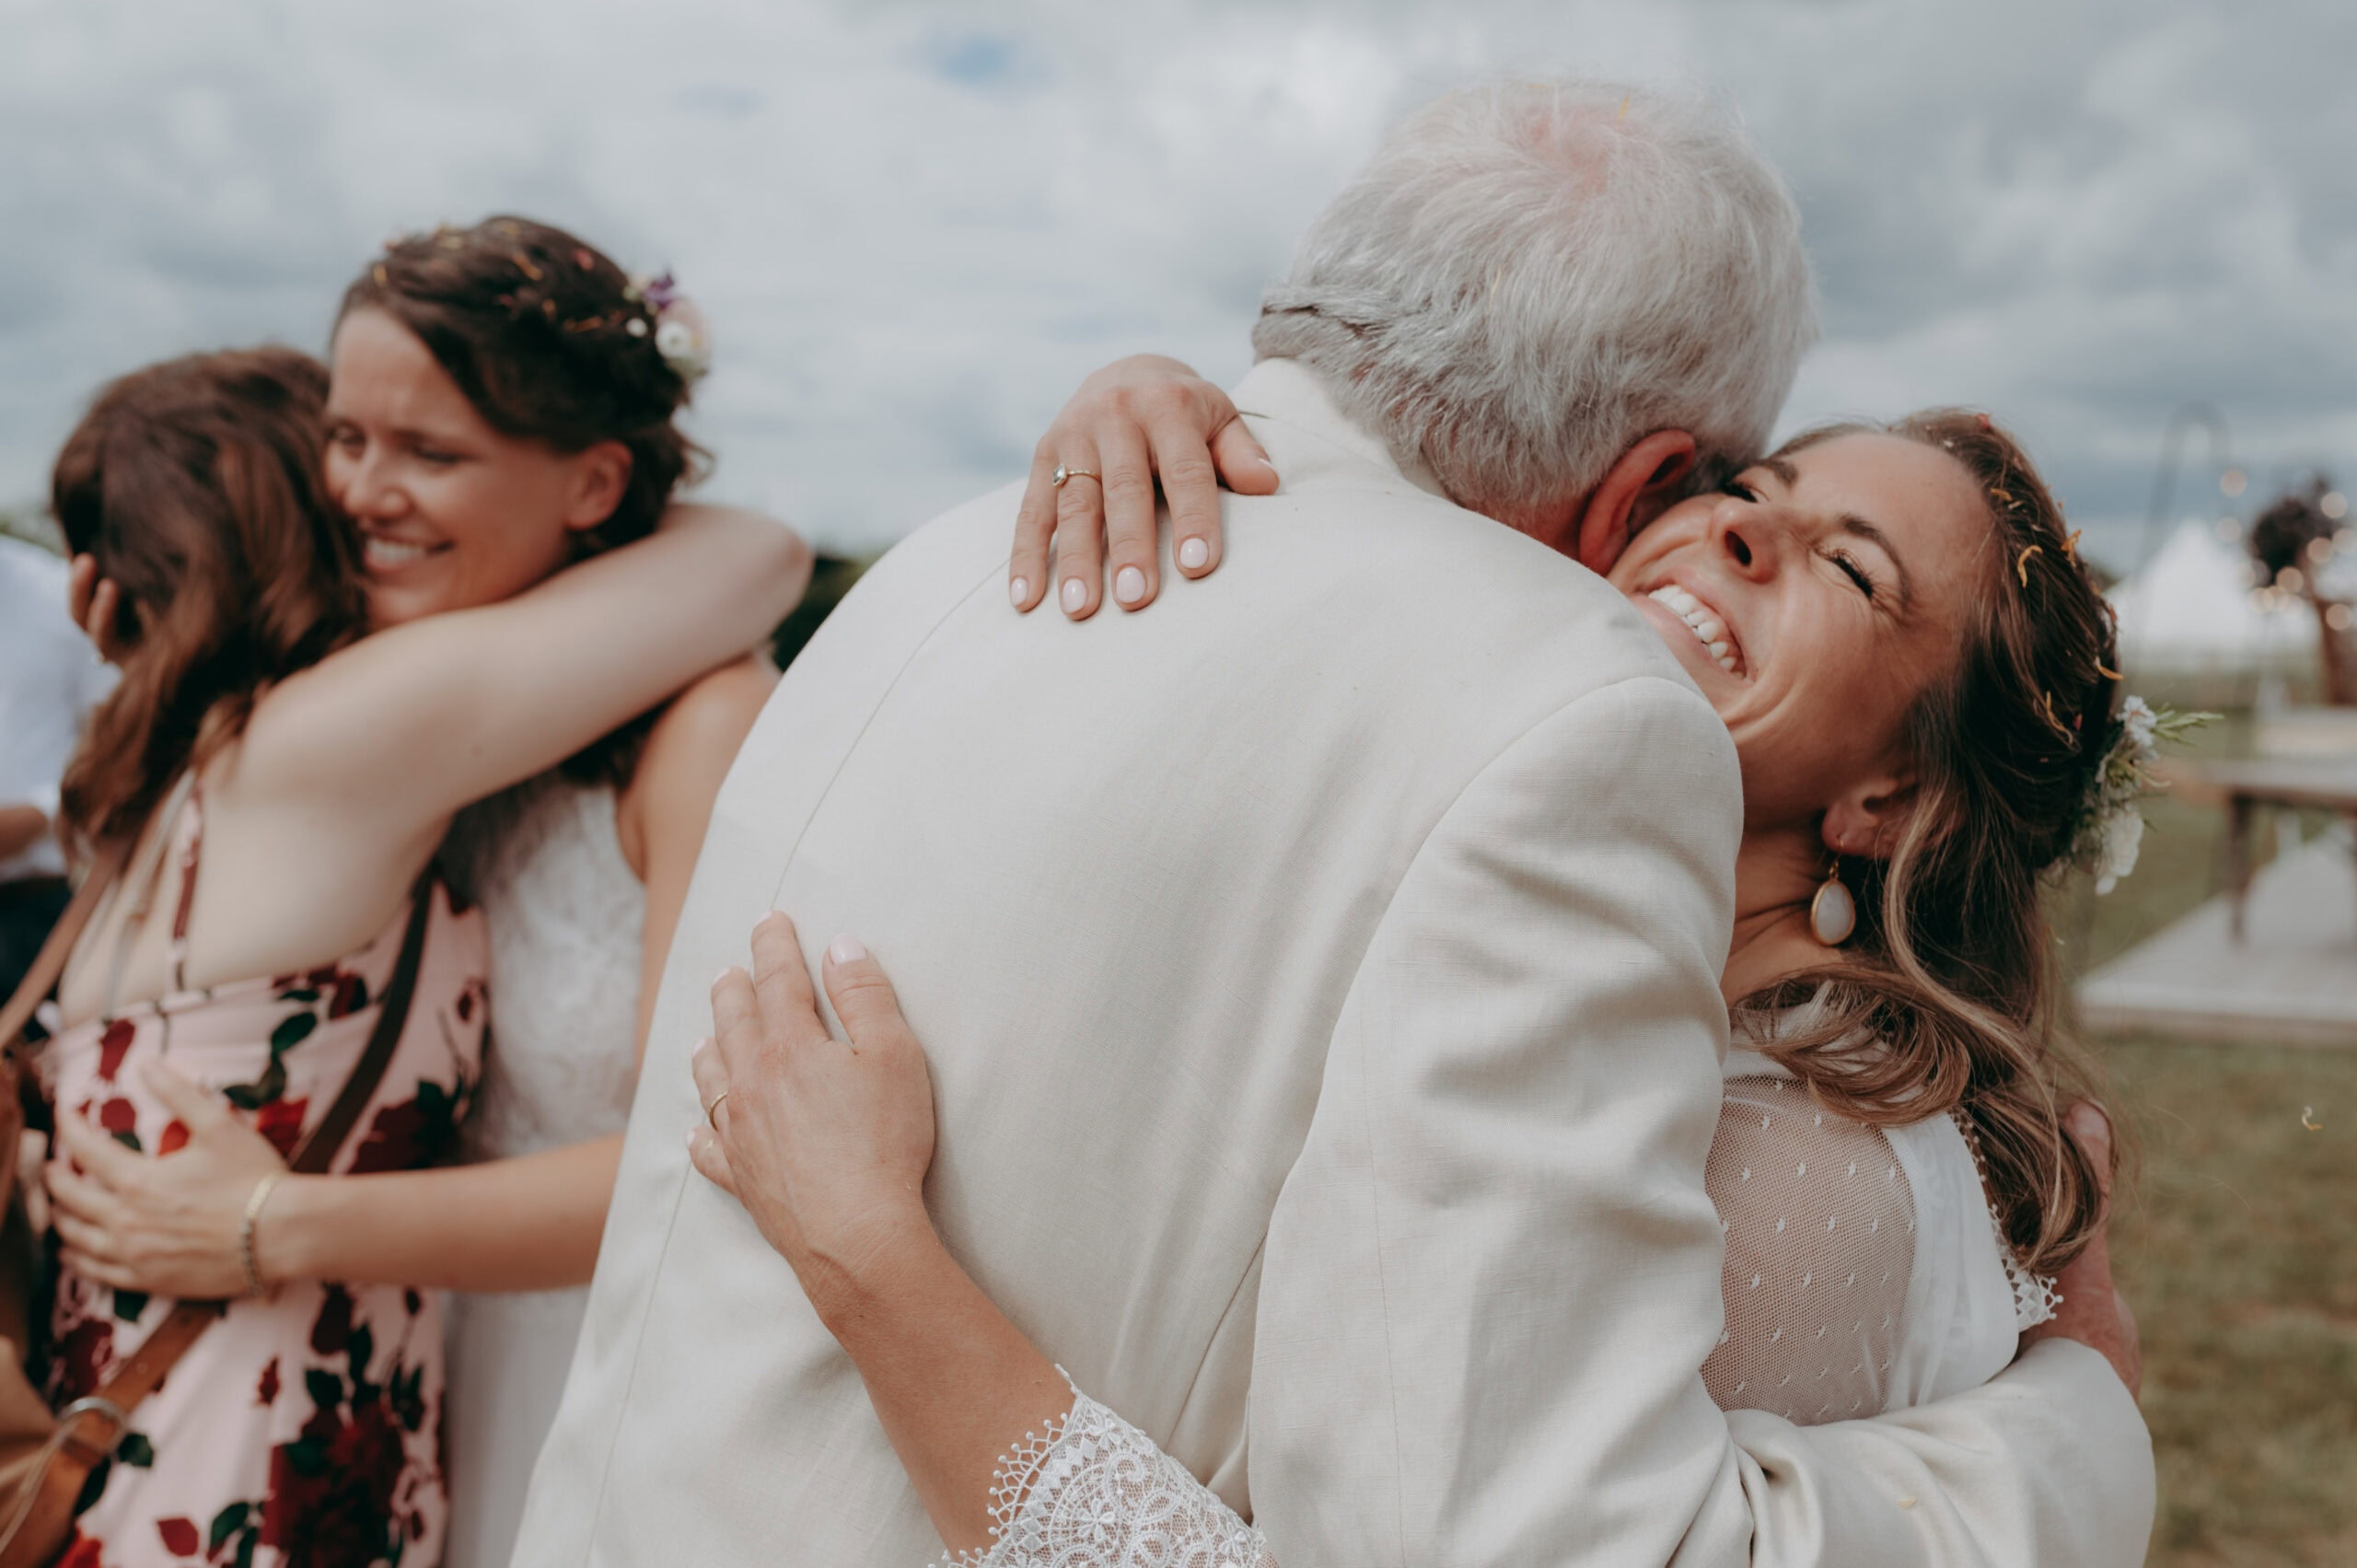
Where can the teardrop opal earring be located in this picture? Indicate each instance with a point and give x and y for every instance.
(1833, 914)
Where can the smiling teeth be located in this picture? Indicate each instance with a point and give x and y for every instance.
(1707, 628)
(391, 552)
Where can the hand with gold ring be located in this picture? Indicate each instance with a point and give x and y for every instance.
(1137, 419)
(827, 1142)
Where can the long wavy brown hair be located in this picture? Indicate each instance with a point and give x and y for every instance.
(196, 485)
(1947, 996)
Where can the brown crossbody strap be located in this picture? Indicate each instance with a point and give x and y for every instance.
(49, 962)
(90, 1428)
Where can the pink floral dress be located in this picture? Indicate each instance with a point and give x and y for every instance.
(303, 1430)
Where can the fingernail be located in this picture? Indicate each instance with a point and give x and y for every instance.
(1074, 596)
(725, 970)
(1193, 552)
(1129, 584)
(769, 919)
(1018, 591)
(846, 949)
(691, 1137)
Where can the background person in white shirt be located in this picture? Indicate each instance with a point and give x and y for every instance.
(50, 677)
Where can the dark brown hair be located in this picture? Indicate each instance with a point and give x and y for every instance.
(1946, 997)
(550, 341)
(196, 485)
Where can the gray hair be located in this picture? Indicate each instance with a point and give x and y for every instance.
(1530, 277)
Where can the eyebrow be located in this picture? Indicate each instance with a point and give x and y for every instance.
(1858, 528)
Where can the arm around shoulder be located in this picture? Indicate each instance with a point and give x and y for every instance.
(662, 815)
(2048, 1463)
(419, 720)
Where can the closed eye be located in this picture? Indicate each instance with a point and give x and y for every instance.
(1857, 574)
(1739, 490)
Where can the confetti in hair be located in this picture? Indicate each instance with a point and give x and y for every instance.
(2021, 565)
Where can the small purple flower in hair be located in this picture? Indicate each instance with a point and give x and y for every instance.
(660, 293)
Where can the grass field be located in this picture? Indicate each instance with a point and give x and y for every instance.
(2238, 1248)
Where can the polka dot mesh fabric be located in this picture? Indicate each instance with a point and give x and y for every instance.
(1821, 1239)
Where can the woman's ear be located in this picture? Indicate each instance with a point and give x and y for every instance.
(1872, 816)
(600, 479)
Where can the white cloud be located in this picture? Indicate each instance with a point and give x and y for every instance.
(916, 225)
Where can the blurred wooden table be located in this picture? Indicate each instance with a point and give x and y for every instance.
(2316, 784)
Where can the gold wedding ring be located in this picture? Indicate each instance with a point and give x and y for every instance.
(712, 1111)
(1063, 474)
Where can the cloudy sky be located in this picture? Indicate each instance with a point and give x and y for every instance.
(916, 225)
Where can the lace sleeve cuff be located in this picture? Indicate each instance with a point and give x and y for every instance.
(2034, 1295)
(1091, 1491)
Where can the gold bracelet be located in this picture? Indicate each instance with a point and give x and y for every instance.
(255, 1285)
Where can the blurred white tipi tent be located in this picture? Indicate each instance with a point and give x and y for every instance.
(2191, 610)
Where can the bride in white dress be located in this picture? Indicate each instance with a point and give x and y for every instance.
(1891, 1167)
(567, 913)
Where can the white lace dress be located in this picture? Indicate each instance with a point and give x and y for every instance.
(566, 915)
(1864, 1274)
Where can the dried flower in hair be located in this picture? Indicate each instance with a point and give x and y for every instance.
(2109, 829)
(524, 265)
(2021, 563)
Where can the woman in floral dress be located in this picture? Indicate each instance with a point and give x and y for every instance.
(282, 785)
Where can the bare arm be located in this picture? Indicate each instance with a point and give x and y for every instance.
(531, 1222)
(664, 814)
(405, 726)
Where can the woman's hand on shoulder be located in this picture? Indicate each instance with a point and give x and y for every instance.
(825, 1142)
(96, 605)
(1136, 419)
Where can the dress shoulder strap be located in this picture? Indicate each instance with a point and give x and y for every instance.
(189, 834)
(181, 830)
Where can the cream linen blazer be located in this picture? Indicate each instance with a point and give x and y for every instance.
(1319, 975)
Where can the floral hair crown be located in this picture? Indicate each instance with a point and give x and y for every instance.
(652, 305)
(2109, 829)
(681, 335)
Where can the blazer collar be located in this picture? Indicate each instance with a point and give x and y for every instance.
(1306, 433)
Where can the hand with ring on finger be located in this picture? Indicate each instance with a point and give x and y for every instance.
(1138, 422)
(825, 1142)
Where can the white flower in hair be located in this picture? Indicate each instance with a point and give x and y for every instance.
(2111, 830)
(2123, 836)
(2141, 725)
(683, 336)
